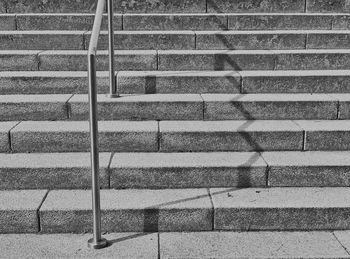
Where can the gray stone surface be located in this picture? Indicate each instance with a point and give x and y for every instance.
(50, 171)
(76, 60)
(19, 60)
(251, 245)
(175, 22)
(147, 40)
(72, 136)
(232, 40)
(141, 107)
(187, 170)
(229, 136)
(279, 22)
(331, 6)
(269, 106)
(281, 209)
(50, 6)
(313, 59)
(122, 245)
(56, 21)
(176, 82)
(7, 21)
(329, 81)
(49, 82)
(308, 169)
(328, 40)
(160, 6)
(251, 6)
(5, 128)
(216, 60)
(34, 107)
(128, 211)
(43, 40)
(18, 211)
(341, 22)
(326, 135)
(344, 105)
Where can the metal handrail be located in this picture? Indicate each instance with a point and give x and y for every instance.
(97, 241)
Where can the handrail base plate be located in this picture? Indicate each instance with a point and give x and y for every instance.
(97, 245)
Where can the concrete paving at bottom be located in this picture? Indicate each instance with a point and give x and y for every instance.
(181, 245)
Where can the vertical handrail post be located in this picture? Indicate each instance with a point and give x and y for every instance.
(113, 91)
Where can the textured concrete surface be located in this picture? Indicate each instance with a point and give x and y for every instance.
(269, 106)
(34, 107)
(19, 60)
(329, 81)
(141, 107)
(43, 40)
(175, 22)
(50, 171)
(187, 170)
(122, 245)
(160, 6)
(229, 136)
(147, 40)
(5, 128)
(216, 60)
(328, 40)
(18, 211)
(75, 60)
(128, 210)
(308, 169)
(56, 21)
(279, 22)
(251, 245)
(176, 82)
(331, 6)
(231, 40)
(326, 135)
(281, 209)
(344, 105)
(7, 22)
(73, 136)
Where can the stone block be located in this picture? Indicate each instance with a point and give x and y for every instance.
(331, 81)
(141, 107)
(279, 22)
(216, 60)
(329, 6)
(160, 6)
(19, 60)
(281, 209)
(269, 107)
(251, 6)
(326, 135)
(7, 21)
(308, 169)
(172, 82)
(50, 171)
(344, 105)
(34, 107)
(229, 136)
(341, 22)
(5, 128)
(187, 170)
(67, 136)
(313, 60)
(330, 40)
(18, 211)
(235, 40)
(128, 211)
(146, 40)
(33, 40)
(176, 22)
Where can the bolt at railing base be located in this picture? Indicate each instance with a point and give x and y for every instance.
(97, 245)
(113, 95)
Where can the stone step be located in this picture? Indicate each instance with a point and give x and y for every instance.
(177, 210)
(178, 60)
(179, 21)
(177, 107)
(202, 40)
(181, 6)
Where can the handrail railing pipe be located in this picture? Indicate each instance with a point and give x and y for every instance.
(97, 241)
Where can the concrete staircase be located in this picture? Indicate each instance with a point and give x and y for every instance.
(234, 115)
